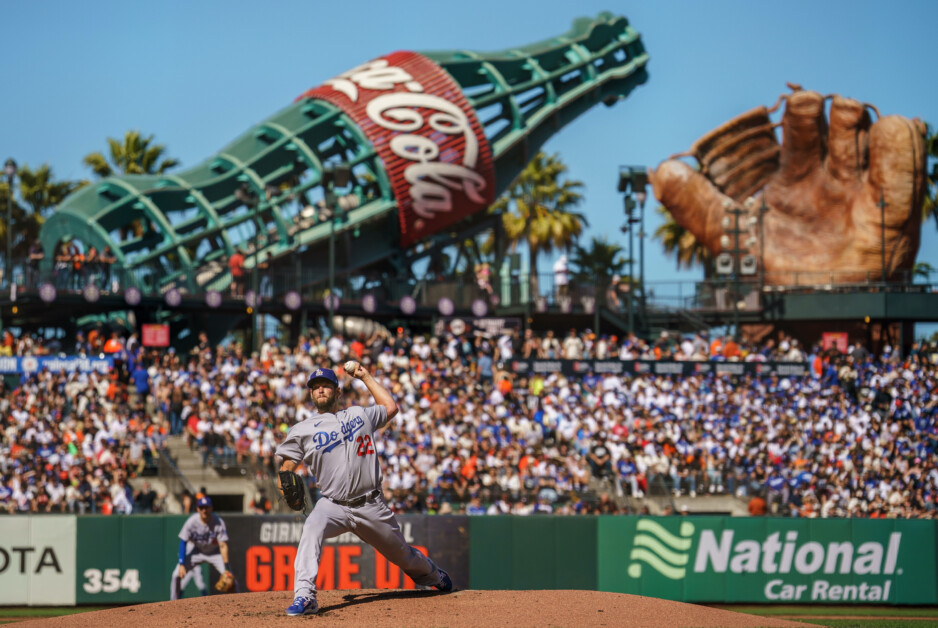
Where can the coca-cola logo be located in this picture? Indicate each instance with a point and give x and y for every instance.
(428, 136)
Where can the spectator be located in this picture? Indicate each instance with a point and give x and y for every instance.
(63, 267)
(260, 505)
(600, 460)
(613, 298)
(561, 278)
(36, 255)
(145, 499)
(106, 261)
(483, 279)
(573, 346)
(141, 380)
(518, 442)
(757, 507)
(236, 269)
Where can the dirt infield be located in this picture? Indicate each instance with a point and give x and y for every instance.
(378, 609)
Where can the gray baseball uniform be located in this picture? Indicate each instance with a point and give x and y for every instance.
(338, 449)
(201, 547)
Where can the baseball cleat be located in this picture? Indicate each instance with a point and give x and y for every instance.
(303, 606)
(445, 585)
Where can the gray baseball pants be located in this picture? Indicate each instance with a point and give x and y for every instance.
(373, 523)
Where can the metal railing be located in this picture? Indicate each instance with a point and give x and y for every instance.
(172, 478)
(540, 292)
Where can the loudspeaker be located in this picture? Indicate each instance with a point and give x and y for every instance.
(724, 264)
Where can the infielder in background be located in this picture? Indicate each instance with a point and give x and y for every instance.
(338, 447)
(203, 539)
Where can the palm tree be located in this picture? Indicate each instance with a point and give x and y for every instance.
(923, 270)
(40, 192)
(597, 264)
(24, 225)
(681, 242)
(136, 155)
(536, 210)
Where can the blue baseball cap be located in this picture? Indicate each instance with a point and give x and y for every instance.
(326, 374)
(204, 501)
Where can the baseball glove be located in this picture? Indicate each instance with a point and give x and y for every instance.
(226, 583)
(292, 488)
(823, 185)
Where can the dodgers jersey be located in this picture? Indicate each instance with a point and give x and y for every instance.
(201, 537)
(339, 449)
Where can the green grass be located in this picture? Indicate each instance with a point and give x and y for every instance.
(45, 611)
(929, 612)
(872, 623)
(862, 611)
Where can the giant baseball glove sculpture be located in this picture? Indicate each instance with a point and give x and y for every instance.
(822, 187)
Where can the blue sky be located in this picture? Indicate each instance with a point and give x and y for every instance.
(197, 74)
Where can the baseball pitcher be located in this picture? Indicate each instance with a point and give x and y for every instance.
(338, 447)
(203, 539)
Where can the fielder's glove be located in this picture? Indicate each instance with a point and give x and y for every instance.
(292, 488)
(226, 583)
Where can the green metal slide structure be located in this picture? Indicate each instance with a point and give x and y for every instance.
(266, 187)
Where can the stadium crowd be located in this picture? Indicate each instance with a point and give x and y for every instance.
(858, 437)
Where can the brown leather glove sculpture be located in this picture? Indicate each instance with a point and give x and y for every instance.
(822, 187)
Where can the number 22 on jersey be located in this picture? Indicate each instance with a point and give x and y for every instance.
(365, 446)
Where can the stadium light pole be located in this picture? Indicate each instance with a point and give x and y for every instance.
(633, 182)
(10, 169)
(639, 189)
(629, 204)
(629, 207)
(333, 175)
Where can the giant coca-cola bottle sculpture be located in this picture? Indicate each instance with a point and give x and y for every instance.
(431, 138)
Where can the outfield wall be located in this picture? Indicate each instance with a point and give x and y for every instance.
(66, 560)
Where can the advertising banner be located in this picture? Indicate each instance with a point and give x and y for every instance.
(834, 339)
(14, 550)
(31, 364)
(263, 550)
(525, 553)
(768, 560)
(490, 327)
(435, 152)
(125, 559)
(155, 335)
(570, 368)
(37, 560)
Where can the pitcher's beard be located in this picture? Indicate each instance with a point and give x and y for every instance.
(327, 405)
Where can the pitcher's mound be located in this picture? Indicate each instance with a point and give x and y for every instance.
(380, 608)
